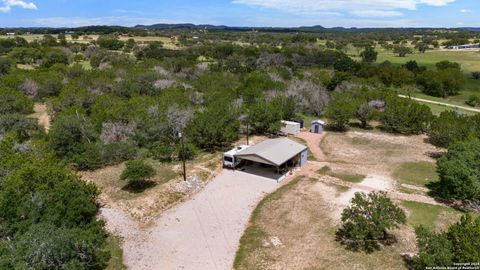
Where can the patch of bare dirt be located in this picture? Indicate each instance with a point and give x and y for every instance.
(41, 113)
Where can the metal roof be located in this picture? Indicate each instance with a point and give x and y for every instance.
(274, 151)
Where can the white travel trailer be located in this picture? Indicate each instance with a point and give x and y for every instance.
(229, 160)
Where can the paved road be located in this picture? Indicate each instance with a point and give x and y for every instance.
(204, 232)
(442, 104)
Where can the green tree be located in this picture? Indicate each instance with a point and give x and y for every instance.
(459, 244)
(459, 172)
(110, 42)
(476, 75)
(369, 55)
(435, 250)
(137, 172)
(47, 214)
(340, 110)
(13, 101)
(402, 51)
(365, 223)
(215, 127)
(405, 116)
(5, 65)
(448, 128)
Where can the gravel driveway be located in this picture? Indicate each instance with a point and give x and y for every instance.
(202, 233)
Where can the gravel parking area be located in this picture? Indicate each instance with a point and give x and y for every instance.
(202, 233)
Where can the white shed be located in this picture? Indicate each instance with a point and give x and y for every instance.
(318, 126)
(290, 128)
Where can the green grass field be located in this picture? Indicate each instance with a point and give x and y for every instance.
(416, 173)
(469, 60)
(353, 178)
(430, 216)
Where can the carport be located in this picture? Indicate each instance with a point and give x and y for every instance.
(281, 154)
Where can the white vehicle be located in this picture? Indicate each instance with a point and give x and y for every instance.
(229, 159)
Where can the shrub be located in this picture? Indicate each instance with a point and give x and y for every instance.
(339, 111)
(459, 244)
(365, 223)
(476, 75)
(459, 172)
(473, 100)
(13, 101)
(137, 172)
(449, 127)
(405, 116)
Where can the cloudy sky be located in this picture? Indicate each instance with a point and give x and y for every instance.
(329, 13)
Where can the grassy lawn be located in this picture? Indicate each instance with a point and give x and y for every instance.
(430, 216)
(252, 237)
(116, 260)
(469, 60)
(354, 178)
(416, 173)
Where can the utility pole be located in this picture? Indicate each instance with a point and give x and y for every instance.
(248, 133)
(180, 135)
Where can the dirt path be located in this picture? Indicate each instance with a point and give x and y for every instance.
(313, 142)
(42, 115)
(442, 104)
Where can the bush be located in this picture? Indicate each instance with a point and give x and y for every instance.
(365, 223)
(473, 100)
(405, 116)
(459, 172)
(48, 214)
(449, 127)
(13, 101)
(339, 111)
(137, 172)
(460, 244)
(476, 75)
(21, 126)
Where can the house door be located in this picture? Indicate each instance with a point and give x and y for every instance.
(317, 129)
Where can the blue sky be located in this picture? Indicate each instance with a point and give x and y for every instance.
(329, 13)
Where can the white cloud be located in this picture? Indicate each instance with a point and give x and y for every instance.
(83, 21)
(465, 10)
(8, 4)
(363, 8)
(376, 13)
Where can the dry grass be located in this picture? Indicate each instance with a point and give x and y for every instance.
(161, 195)
(291, 229)
(294, 228)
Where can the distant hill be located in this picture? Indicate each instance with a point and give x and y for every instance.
(189, 26)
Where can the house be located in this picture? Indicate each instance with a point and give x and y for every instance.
(464, 46)
(318, 126)
(279, 154)
(290, 128)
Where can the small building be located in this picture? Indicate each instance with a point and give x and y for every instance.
(280, 154)
(290, 128)
(318, 126)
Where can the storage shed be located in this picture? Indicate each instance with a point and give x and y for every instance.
(280, 154)
(318, 126)
(290, 128)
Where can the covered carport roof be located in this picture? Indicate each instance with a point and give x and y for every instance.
(274, 152)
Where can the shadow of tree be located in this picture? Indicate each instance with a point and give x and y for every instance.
(139, 186)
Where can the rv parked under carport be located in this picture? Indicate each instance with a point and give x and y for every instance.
(281, 154)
